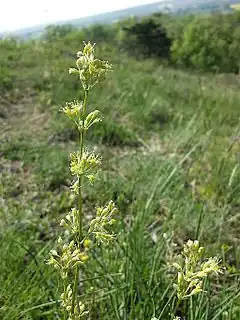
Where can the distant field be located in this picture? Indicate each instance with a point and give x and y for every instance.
(235, 6)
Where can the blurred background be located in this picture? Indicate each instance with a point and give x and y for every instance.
(170, 143)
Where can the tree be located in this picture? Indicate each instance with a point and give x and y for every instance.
(147, 38)
(54, 32)
(210, 42)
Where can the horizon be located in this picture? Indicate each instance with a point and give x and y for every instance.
(29, 13)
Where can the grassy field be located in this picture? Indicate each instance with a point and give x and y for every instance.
(170, 142)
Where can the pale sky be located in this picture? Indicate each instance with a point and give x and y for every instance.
(17, 14)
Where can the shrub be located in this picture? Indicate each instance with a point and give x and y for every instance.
(147, 38)
(54, 32)
(210, 43)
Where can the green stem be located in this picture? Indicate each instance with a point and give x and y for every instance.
(65, 289)
(81, 138)
(75, 288)
(80, 202)
(176, 307)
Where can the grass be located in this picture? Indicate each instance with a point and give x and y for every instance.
(170, 144)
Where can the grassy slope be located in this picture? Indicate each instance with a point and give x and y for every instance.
(170, 145)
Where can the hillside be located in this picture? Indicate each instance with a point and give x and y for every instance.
(174, 6)
(104, 18)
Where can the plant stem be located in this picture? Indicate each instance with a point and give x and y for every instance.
(176, 307)
(75, 288)
(65, 289)
(81, 138)
(80, 209)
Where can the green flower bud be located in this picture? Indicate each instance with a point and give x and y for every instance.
(92, 118)
(73, 71)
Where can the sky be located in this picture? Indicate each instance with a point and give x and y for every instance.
(17, 14)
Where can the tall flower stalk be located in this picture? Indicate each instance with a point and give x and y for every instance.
(71, 254)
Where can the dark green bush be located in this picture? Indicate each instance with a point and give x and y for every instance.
(147, 38)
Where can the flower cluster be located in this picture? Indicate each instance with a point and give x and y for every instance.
(66, 257)
(103, 220)
(89, 69)
(74, 110)
(76, 311)
(84, 164)
(70, 222)
(191, 271)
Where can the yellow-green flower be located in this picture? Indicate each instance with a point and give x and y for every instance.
(191, 271)
(89, 69)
